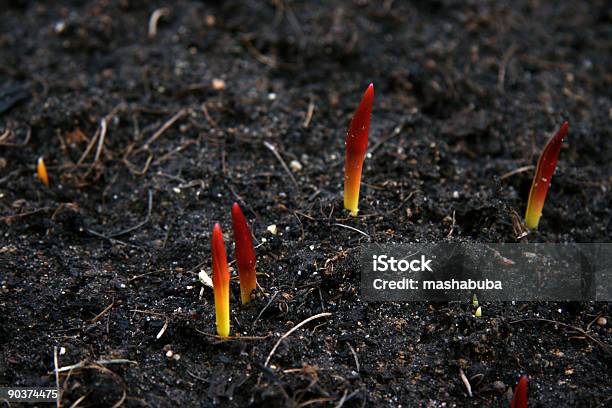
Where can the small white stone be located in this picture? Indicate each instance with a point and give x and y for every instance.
(295, 165)
(169, 353)
(218, 84)
(455, 194)
(205, 278)
(62, 351)
(272, 96)
(59, 27)
(272, 229)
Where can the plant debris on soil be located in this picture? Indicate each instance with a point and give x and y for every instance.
(154, 117)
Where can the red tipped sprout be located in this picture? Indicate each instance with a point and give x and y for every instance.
(221, 282)
(541, 179)
(245, 254)
(356, 146)
(520, 394)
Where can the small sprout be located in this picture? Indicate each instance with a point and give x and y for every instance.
(474, 300)
(41, 170)
(520, 394)
(356, 146)
(541, 179)
(245, 254)
(221, 280)
(478, 312)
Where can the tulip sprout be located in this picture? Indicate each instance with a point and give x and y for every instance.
(356, 146)
(41, 171)
(221, 280)
(245, 254)
(541, 179)
(520, 394)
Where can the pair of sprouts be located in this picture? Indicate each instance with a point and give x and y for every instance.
(357, 144)
(245, 260)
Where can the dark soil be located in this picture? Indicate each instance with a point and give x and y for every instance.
(465, 93)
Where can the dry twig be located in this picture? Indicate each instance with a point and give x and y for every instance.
(352, 229)
(501, 73)
(56, 370)
(605, 347)
(163, 128)
(133, 228)
(516, 171)
(466, 382)
(309, 113)
(222, 339)
(9, 132)
(86, 364)
(265, 307)
(357, 366)
(154, 19)
(102, 313)
(284, 336)
(246, 41)
(276, 154)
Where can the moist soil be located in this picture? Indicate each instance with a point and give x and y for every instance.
(151, 131)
